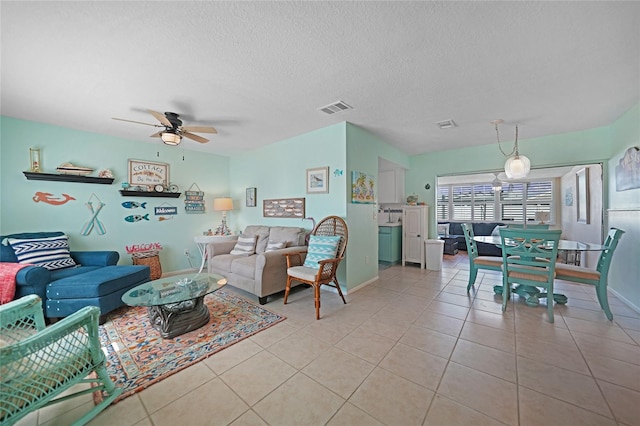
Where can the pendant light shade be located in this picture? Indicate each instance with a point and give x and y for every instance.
(517, 167)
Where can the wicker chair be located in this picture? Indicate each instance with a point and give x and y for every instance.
(326, 273)
(37, 364)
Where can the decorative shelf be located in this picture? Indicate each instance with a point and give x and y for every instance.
(68, 178)
(150, 194)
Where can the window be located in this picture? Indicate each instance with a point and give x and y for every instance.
(479, 202)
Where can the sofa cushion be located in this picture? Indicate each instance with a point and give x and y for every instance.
(246, 245)
(99, 282)
(484, 228)
(263, 236)
(292, 235)
(222, 262)
(244, 266)
(321, 248)
(49, 252)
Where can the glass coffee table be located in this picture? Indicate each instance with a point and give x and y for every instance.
(176, 304)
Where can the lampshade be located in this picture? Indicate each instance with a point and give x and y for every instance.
(517, 167)
(496, 185)
(224, 204)
(171, 138)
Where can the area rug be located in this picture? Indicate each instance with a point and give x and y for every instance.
(137, 356)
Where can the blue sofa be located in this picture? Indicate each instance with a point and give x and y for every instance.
(479, 229)
(96, 281)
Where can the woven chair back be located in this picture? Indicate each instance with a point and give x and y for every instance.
(332, 226)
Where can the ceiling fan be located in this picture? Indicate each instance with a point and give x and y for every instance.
(173, 128)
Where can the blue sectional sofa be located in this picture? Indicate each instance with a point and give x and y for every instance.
(479, 228)
(97, 280)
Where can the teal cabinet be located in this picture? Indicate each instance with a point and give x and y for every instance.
(389, 244)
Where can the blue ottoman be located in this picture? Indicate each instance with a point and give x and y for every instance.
(102, 287)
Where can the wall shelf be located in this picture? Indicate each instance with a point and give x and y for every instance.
(149, 194)
(68, 178)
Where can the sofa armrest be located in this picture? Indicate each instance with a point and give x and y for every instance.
(219, 247)
(96, 258)
(271, 268)
(32, 280)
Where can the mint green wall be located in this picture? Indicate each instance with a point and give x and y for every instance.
(624, 212)
(363, 150)
(587, 146)
(19, 213)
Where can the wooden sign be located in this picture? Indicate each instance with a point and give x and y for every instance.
(283, 207)
(194, 200)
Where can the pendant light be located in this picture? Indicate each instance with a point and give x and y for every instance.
(517, 166)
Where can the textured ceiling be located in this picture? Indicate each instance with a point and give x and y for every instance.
(259, 71)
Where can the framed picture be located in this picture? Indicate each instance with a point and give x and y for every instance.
(582, 195)
(318, 180)
(362, 188)
(250, 199)
(148, 174)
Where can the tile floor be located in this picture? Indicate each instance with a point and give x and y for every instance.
(412, 348)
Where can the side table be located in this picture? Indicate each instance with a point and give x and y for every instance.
(450, 245)
(203, 240)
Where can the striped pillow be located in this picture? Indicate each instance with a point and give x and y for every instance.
(246, 245)
(50, 253)
(271, 246)
(321, 248)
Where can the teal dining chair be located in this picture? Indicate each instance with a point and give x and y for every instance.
(595, 277)
(477, 262)
(529, 259)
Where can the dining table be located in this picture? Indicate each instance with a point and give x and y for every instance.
(532, 294)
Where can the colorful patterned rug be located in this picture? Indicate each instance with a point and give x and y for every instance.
(137, 356)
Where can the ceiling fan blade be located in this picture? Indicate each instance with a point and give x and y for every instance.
(195, 137)
(138, 122)
(157, 134)
(161, 118)
(199, 129)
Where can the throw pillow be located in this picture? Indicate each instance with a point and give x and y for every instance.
(246, 245)
(321, 248)
(51, 253)
(271, 246)
(496, 230)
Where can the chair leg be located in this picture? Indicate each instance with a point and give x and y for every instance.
(287, 289)
(550, 305)
(506, 293)
(603, 299)
(316, 289)
(473, 273)
(339, 290)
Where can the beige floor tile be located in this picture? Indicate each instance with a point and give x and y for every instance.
(486, 359)
(273, 334)
(299, 401)
(249, 418)
(210, 404)
(493, 306)
(398, 315)
(144, 422)
(623, 402)
(232, 356)
(67, 416)
(564, 356)
(628, 323)
(256, 377)
(430, 341)
(587, 314)
(489, 319)
(635, 335)
(299, 349)
(369, 346)
(455, 299)
(80, 404)
(489, 336)
(421, 291)
(350, 415)
(390, 330)
(613, 371)
(537, 409)
(439, 322)
(490, 395)
(448, 309)
(568, 386)
(126, 412)
(175, 386)
(616, 350)
(607, 331)
(330, 330)
(446, 412)
(392, 399)
(413, 364)
(339, 371)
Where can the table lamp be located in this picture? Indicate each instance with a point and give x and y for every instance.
(223, 205)
(542, 217)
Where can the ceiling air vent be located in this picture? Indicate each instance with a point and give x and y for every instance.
(446, 124)
(335, 107)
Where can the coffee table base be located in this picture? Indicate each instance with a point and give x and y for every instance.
(178, 318)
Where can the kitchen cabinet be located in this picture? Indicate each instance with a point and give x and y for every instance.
(389, 244)
(391, 186)
(414, 225)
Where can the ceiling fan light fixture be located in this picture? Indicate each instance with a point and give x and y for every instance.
(172, 139)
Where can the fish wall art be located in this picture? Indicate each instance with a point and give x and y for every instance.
(136, 218)
(48, 198)
(133, 205)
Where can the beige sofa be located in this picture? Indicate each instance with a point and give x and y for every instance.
(263, 273)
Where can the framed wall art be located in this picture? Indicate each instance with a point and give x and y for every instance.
(250, 197)
(318, 180)
(582, 195)
(283, 207)
(148, 174)
(362, 188)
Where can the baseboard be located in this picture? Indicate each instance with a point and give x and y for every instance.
(180, 272)
(353, 290)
